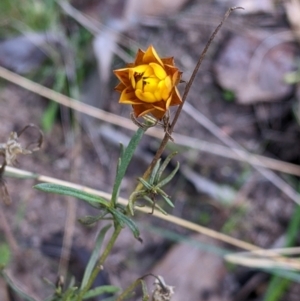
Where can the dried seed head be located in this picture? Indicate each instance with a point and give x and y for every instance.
(10, 150)
(162, 291)
(13, 148)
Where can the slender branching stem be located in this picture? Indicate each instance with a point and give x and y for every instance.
(129, 289)
(157, 156)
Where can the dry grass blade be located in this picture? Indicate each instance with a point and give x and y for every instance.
(271, 259)
(227, 140)
(172, 219)
(126, 123)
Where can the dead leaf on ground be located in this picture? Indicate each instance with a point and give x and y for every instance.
(253, 66)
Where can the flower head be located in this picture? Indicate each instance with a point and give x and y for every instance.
(149, 84)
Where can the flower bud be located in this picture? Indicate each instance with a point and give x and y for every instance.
(149, 84)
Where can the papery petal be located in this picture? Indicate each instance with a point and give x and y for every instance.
(168, 61)
(161, 106)
(122, 75)
(148, 109)
(170, 69)
(176, 98)
(138, 69)
(165, 93)
(140, 110)
(120, 87)
(132, 77)
(128, 97)
(140, 85)
(151, 84)
(168, 83)
(158, 70)
(164, 90)
(151, 56)
(176, 77)
(158, 114)
(139, 57)
(148, 72)
(157, 94)
(147, 97)
(168, 102)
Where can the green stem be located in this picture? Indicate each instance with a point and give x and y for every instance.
(129, 289)
(100, 263)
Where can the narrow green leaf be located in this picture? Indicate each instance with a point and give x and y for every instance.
(94, 257)
(104, 289)
(131, 206)
(160, 191)
(154, 172)
(72, 282)
(16, 288)
(167, 179)
(168, 201)
(49, 116)
(125, 220)
(121, 207)
(163, 166)
(93, 200)
(125, 159)
(145, 291)
(69, 294)
(147, 185)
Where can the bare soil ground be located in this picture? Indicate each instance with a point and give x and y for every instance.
(259, 213)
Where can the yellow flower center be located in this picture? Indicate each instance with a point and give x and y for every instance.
(150, 82)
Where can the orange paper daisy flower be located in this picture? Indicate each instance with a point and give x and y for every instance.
(149, 84)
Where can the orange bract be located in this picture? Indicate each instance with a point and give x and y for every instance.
(149, 84)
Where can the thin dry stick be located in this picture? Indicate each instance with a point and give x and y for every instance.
(264, 262)
(202, 56)
(74, 149)
(168, 133)
(127, 123)
(230, 153)
(169, 218)
(291, 263)
(176, 220)
(216, 131)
